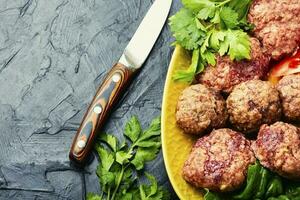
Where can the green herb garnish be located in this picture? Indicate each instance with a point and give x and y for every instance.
(261, 184)
(207, 27)
(121, 164)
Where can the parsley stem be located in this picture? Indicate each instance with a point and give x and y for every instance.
(142, 194)
(223, 3)
(118, 183)
(209, 26)
(108, 193)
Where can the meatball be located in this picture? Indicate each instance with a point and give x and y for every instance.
(278, 148)
(228, 73)
(219, 161)
(200, 109)
(252, 104)
(277, 25)
(289, 90)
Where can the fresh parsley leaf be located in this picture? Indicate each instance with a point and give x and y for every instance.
(188, 75)
(110, 140)
(215, 39)
(154, 142)
(241, 7)
(105, 176)
(107, 158)
(152, 191)
(184, 27)
(229, 18)
(153, 130)
(197, 5)
(153, 184)
(216, 18)
(209, 57)
(92, 196)
(239, 44)
(148, 144)
(184, 76)
(200, 25)
(199, 59)
(205, 44)
(207, 12)
(200, 66)
(236, 44)
(103, 170)
(123, 145)
(123, 157)
(224, 45)
(133, 193)
(133, 129)
(144, 155)
(213, 26)
(119, 163)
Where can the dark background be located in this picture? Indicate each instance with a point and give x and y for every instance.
(53, 56)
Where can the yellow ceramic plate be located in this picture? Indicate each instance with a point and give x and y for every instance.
(176, 145)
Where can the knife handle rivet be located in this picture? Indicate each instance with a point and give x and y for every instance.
(97, 110)
(81, 144)
(116, 77)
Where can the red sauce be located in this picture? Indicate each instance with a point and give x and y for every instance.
(289, 65)
(295, 63)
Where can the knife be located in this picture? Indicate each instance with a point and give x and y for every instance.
(118, 78)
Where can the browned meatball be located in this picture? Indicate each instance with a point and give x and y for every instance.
(228, 73)
(219, 161)
(252, 104)
(200, 109)
(289, 90)
(278, 148)
(277, 25)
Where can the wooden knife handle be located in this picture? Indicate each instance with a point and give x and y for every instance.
(112, 87)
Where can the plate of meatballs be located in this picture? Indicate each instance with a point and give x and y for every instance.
(237, 113)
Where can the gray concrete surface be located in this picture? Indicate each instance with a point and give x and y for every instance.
(53, 55)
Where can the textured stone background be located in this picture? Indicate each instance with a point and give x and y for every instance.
(53, 55)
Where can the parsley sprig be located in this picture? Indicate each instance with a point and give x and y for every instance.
(261, 183)
(121, 163)
(207, 27)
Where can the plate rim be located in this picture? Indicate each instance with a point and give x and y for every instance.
(163, 116)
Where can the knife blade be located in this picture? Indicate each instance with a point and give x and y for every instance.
(118, 78)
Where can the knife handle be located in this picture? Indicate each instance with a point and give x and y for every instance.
(114, 84)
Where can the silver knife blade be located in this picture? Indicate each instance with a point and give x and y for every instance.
(146, 35)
